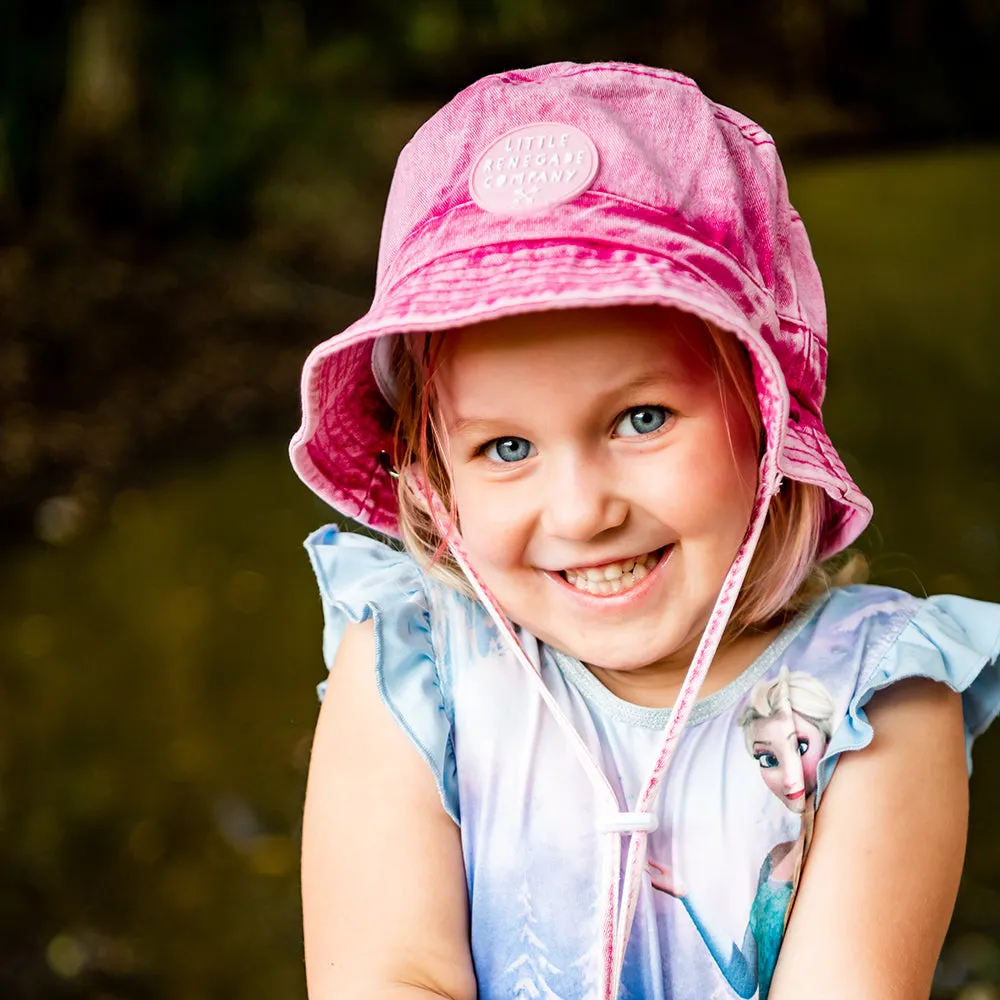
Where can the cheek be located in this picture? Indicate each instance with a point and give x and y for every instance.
(774, 778)
(810, 763)
(491, 520)
(709, 484)
(736, 474)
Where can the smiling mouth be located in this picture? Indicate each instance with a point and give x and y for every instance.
(613, 578)
(796, 795)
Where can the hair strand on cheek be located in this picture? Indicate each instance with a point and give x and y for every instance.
(420, 456)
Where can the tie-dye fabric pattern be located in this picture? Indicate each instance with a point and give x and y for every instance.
(735, 813)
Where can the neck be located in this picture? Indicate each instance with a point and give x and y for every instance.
(658, 684)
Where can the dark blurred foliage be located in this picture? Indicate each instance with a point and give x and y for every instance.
(190, 197)
(191, 192)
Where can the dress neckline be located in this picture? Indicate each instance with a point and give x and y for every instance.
(705, 708)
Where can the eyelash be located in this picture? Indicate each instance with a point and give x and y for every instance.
(668, 413)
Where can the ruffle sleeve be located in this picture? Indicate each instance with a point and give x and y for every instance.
(360, 578)
(949, 639)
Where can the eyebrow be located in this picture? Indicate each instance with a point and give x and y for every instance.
(645, 381)
(767, 743)
(479, 425)
(662, 375)
(464, 425)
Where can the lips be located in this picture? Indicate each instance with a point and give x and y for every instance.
(611, 578)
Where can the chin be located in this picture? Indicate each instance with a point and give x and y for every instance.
(609, 655)
(615, 644)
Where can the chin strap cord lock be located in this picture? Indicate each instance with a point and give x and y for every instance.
(629, 822)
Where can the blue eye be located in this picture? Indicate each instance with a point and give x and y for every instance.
(641, 420)
(766, 759)
(509, 449)
(802, 746)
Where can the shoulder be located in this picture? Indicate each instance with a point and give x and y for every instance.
(875, 615)
(889, 634)
(353, 569)
(362, 575)
(870, 639)
(421, 631)
(866, 612)
(361, 579)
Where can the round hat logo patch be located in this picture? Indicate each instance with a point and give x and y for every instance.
(533, 167)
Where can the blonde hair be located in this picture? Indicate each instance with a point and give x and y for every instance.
(798, 692)
(784, 575)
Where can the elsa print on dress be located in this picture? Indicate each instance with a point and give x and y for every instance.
(787, 723)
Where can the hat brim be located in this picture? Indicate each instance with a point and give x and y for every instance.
(347, 422)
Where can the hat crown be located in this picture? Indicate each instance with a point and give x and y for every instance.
(672, 161)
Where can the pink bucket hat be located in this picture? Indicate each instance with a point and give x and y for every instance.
(566, 186)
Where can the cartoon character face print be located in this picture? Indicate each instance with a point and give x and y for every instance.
(788, 749)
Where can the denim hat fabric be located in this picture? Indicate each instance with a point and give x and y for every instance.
(574, 185)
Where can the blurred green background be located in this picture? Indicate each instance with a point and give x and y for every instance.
(190, 197)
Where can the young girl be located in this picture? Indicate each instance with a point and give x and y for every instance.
(587, 399)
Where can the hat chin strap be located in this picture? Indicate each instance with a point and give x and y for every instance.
(619, 906)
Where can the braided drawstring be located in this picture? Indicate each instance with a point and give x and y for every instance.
(635, 864)
(619, 906)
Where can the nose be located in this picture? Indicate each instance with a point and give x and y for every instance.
(582, 499)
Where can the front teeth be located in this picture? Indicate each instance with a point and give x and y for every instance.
(613, 578)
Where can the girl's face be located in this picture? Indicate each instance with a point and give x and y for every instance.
(602, 476)
(788, 749)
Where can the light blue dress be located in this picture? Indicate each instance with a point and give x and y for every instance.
(529, 815)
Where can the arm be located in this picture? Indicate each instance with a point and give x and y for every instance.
(880, 882)
(738, 965)
(384, 895)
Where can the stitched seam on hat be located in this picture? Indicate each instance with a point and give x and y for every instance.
(748, 129)
(761, 139)
(577, 241)
(802, 460)
(795, 321)
(799, 452)
(686, 231)
(582, 244)
(414, 233)
(670, 77)
(630, 70)
(806, 354)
